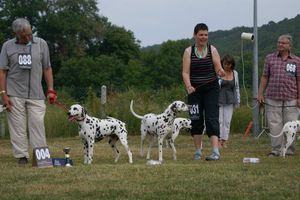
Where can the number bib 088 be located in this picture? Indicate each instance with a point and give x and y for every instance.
(24, 60)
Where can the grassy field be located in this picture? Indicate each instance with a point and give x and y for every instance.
(229, 178)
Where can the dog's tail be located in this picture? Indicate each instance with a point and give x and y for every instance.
(132, 111)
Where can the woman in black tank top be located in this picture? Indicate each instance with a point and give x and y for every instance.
(201, 67)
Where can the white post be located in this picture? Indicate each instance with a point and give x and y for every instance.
(255, 111)
(103, 100)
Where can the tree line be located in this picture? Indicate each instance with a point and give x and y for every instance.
(88, 51)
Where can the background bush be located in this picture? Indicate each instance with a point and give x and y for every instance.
(117, 105)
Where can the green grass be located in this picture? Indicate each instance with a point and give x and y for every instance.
(229, 178)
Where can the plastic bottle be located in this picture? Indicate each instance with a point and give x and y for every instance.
(250, 160)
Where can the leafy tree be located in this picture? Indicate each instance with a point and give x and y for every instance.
(87, 50)
(91, 71)
(74, 29)
(134, 75)
(71, 28)
(167, 68)
(120, 43)
(10, 10)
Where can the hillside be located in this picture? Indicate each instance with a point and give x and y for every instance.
(229, 41)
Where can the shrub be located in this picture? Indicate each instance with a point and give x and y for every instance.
(117, 105)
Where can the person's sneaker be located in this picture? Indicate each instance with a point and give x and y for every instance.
(197, 155)
(23, 161)
(213, 157)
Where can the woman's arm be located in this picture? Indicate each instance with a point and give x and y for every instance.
(186, 62)
(217, 62)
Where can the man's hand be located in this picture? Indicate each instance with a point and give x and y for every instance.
(51, 96)
(6, 102)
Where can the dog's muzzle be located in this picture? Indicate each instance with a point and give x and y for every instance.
(71, 118)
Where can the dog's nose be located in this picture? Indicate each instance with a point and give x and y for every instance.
(68, 113)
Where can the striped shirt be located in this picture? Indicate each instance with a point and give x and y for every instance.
(202, 70)
(282, 76)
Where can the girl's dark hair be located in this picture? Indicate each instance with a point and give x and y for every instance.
(228, 59)
(200, 26)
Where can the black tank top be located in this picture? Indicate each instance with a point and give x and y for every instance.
(202, 71)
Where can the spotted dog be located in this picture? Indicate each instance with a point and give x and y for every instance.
(159, 126)
(289, 130)
(92, 129)
(178, 124)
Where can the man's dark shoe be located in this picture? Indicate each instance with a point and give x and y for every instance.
(272, 154)
(23, 161)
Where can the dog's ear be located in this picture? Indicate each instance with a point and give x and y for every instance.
(83, 112)
(174, 107)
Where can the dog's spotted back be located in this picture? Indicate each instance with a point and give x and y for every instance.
(158, 125)
(92, 129)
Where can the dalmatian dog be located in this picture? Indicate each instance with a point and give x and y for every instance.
(178, 124)
(289, 130)
(92, 129)
(158, 125)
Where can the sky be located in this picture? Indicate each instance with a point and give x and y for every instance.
(157, 21)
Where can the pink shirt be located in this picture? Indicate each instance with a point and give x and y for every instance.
(282, 76)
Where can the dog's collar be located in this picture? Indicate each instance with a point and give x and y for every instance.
(80, 120)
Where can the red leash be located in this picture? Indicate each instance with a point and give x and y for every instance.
(61, 105)
(54, 99)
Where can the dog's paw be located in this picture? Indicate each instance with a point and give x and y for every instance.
(117, 158)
